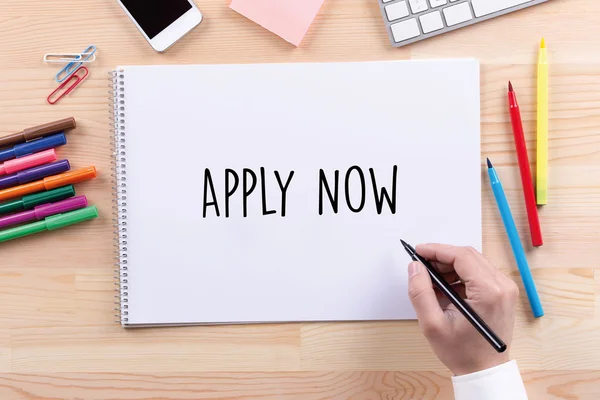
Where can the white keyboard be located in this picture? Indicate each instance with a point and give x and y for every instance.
(409, 21)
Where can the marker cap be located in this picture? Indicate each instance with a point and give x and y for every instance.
(50, 128)
(51, 182)
(34, 174)
(38, 131)
(74, 217)
(71, 177)
(60, 207)
(38, 145)
(43, 171)
(30, 161)
(50, 196)
(51, 223)
(32, 200)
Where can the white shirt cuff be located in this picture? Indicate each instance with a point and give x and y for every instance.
(497, 383)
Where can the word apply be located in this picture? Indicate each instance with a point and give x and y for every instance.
(249, 182)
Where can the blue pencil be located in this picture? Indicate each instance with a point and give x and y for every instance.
(515, 242)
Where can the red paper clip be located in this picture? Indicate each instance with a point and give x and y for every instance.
(78, 79)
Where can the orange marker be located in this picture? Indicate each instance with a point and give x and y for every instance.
(49, 183)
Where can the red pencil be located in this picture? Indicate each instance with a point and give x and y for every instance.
(526, 179)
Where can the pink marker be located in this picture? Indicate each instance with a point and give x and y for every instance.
(43, 211)
(33, 160)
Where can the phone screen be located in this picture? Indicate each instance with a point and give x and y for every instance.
(153, 16)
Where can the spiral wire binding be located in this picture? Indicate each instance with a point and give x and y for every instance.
(119, 186)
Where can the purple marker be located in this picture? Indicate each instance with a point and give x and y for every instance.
(34, 174)
(43, 211)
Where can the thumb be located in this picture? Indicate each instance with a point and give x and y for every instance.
(423, 298)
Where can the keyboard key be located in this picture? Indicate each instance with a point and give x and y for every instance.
(405, 30)
(431, 22)
(437, 3)
(459, 13)
(434, 17)
(396, 11)
(418, 6)
(486, 7)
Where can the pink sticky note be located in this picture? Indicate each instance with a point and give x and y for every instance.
(289, 19)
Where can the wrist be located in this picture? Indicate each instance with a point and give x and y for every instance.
(480, 365)
(498, 383)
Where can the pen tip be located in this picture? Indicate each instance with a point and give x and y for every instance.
(410, 250)
(543, 44)
(489, 163)
(510, 87)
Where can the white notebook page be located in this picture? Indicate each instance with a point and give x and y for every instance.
(184, 268)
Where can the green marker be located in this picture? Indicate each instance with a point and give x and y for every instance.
(33, 200)
(50, 224)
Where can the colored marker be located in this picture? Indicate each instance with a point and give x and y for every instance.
(35, 146)
(34, 160)
(526, 180)
(33, 174)
(541, 185)
(515, 242)
(28, 202)
(50, 223)
(38, 131)
(51, 182)
(43, 211)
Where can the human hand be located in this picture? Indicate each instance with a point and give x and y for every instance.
(488, 291)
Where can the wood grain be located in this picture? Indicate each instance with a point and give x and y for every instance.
(58, 339)
(317, 385)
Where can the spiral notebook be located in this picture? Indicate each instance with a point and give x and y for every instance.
(280, 192)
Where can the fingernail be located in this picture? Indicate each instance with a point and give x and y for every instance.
(414, 269)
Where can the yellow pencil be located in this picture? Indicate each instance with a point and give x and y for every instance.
(542, 127)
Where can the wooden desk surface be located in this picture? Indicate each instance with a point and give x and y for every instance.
(58, 339)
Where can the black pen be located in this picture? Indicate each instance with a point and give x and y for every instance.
(460, 304)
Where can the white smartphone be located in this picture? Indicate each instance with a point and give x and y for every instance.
(163, 22)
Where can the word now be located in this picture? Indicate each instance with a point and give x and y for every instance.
(380, 196)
